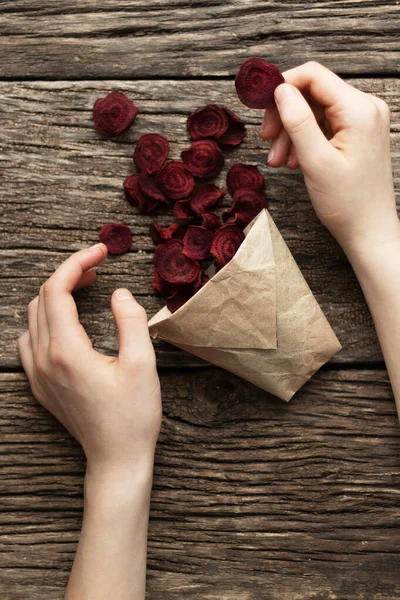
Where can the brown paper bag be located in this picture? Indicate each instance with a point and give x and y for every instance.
(256, 317)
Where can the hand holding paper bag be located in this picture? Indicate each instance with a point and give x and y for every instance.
(256, 317)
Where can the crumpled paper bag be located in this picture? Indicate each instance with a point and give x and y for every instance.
(256, 317)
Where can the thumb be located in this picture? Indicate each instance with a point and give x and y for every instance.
(133, 331)
(299, 121)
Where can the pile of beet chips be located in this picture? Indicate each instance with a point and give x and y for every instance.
(198, 237)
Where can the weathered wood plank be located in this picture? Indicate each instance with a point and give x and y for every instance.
(60, 182)
(252, 498)
(128, 39)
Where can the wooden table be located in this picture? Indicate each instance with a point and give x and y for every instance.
(252, 498)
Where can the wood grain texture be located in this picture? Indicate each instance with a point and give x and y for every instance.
(60, 182)
(252, 498)
(113, 39)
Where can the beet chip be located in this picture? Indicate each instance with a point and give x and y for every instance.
(151, 152)
(210, 122)
(113, 114)
(204, 159)
(182, 210)
(117, 238)
(241, 175)
(197, 242)
(205, 197)
(179, 295)
(159, 284)
(161, 234)
(135, 195)
(211, 221)
(247, 203)
(235, 133)
(173, 265)
(149, 186)
(256, 82)
(175, 180)
(225, 244)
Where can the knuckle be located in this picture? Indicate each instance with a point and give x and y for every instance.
(32, 306)
(41, 365)
(383, 108)
(58, 357)
(313, 65)
(47, 288)
(144, 362)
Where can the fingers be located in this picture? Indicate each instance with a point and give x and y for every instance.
(133, 331)
(271, 125)
(33, 324)
(60, 307)
(42, 324)
(87, 279)
(309, 142)
(26, 353)
(279, 149)
(323, 85)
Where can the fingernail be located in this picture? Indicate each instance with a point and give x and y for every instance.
(284, 91)
(271, 155)
(122, 294)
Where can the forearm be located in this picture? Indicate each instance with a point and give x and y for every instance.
(111, 558)
(378, 271)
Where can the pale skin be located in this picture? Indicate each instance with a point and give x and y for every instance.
(339, 137)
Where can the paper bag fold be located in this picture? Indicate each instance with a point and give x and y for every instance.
(256, 317)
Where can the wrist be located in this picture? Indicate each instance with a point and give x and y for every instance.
(124, 476)
(371, 248)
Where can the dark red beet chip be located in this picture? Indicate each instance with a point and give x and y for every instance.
(235, 133)
(160, 285)
(247, 203)
(211, 221)
(175, 180)
(173, 265)
(205, 197)
(117, 238)
(256, 82)
(200, 281)
(209, 121)
(242, 175)
(149, 186)
(135, 195)
(225, 244)
(179, 295)
(197, 242)
(151, 152)
(161, 234)
(204, 159)
(182, 210)
(113, 114)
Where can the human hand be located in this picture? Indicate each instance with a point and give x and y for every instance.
(340, 138)
(112, 406)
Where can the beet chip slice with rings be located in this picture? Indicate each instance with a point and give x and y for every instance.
(256, 82)
(197, 242)
(149, 186)
(247, 203)
(175, 180)
(242, 175)
(160, 234)
(235, 133)
(183, 211)
(225, 243)
(159, 284)
(209, 122)
(151, 152)
(113, 114)
(211, 221)
(117, 237)
(135, 195)
(205, 197)
(204, 159)
(173, 265)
